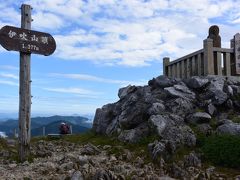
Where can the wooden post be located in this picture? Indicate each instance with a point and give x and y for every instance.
(25, 92)
(208, 57)
(44, 131)
(15, 133)
(70, 129)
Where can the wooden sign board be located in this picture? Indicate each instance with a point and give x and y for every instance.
(237, 52)
(27, 41)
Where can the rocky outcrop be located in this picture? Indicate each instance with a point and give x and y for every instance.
(228, 127)
(168, 108)
(198, 118)
(152, 105)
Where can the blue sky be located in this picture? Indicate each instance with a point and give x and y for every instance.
(103, 45)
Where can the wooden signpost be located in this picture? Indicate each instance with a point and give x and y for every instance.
(26, 42)
(23, 40)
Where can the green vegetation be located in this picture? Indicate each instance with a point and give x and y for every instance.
(3, 143)
(199, 110)
(234, 116)
(221, 150)
(213, 123)
(236, 119)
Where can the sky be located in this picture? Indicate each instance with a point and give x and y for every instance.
(104, 45)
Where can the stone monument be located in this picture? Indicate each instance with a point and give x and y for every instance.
(213, 33)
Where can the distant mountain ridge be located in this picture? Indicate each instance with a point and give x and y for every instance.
(79, 124)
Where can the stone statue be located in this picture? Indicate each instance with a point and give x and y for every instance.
(213, 34)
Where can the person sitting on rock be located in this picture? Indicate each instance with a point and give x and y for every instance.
(64, 128)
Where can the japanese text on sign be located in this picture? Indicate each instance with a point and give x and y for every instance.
(23, 36)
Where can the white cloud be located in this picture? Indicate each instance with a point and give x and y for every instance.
(87, 77)
(10, 83)
(44, 20)
(63, 8)
(8, 67)
(9, 75)
(146, 29)
(129, 32)
(3, 134)
(73, 90)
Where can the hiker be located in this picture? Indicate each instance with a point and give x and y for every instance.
(64, 128)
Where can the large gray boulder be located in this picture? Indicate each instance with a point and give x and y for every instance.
(180, 91)
(180, 106)
(161, 82)
(126, 90)
(229, 128)
(196, 82)
(198, 117)
(103, 118)
(162, 123)
(159, 123)
(134, 115)
(236, 89)
(156, 108)
(211, 109)
(215, 91)
(178, 136)
(134, 135)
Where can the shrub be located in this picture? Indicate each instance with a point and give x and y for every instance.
(222, 150)
(236, 119)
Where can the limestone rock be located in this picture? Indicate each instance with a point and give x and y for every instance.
(156, 108)
(180, 106)
(229, 128)
(102, 174)
(161, 82)
(134, 116)
(196, 82)
(134, 135)
(126, 90)
(198, 117)
(192, 160)
(157, 149)
(211, 109)
(158, 122)
(180, 91)
(77, 175)
(103, 118)
(90, 149)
